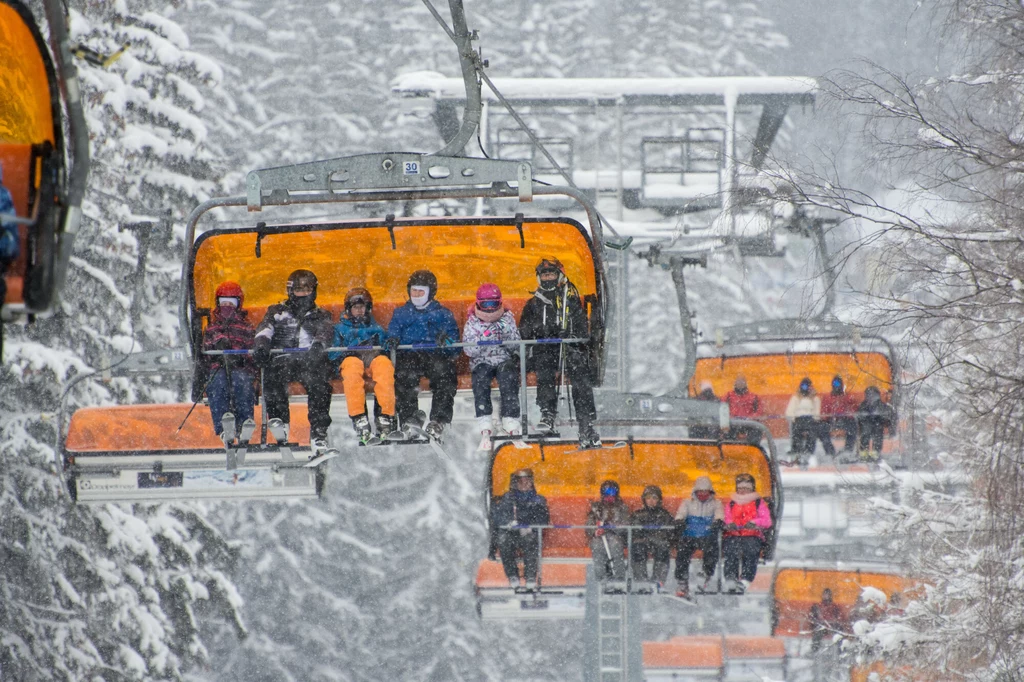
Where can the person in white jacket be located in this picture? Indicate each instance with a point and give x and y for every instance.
(803, 413)
(490, 320)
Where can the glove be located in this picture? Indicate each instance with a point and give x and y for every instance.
(751, 525)
(197, 391)
(599, 532)
(261, 354)
(222, 344)
(372, 341)
(391, 344)
(731, 526)
(442, 338)
(717, 525)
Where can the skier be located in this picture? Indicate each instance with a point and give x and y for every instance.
(423, 320)
(10, 242)
(606, 544)
(837, 410)
(656, 543)
(520, 506)
(803, 411)
(556, 311)
(296, 323)
(746, 518)
(229, 380)
(489, 320)
(826, 619)
(707, 393)
(699, 520)
(358, 328)
(743, 405)
(873, 417)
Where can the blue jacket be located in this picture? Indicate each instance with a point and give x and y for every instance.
(410, 325)
(353, 332)
(9, 242)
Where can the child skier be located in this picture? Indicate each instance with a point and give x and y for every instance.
(490, 320)
(556, 311)
(423, 320)
(296, 323)
(358, 328)
(228, 379)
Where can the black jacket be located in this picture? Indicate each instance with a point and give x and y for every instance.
(656, 516)
(281, 329)
(527, 510)
(542, 316)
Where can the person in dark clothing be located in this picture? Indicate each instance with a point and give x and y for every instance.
(520, 506)
(837, 410)
(297, 323)
(607, 545)
(10, 241)
(699, 521)
(651, 542)
(556, 311)
(423, 320)
(826, 619)
(873, 417)
(229, 380)
(707, 393)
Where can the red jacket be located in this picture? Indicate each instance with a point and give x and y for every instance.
(743, 405)
(841, 405)
(751, 509)
(231, 331)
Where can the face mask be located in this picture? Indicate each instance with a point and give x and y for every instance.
(300, 304)
(703, 495)
(420, 296)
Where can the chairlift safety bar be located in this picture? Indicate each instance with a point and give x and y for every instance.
(408, 346)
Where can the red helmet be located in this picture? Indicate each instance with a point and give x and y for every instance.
(230, 290)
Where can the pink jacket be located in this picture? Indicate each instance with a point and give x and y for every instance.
(743, 509)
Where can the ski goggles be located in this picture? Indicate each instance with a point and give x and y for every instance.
(357, 300)
(608, 491)
(227, 300)
(489, 306)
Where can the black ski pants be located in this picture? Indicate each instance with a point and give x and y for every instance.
(507, 374)
(742, 553)
(708, 545)
(805, 434)
(848, 425)
(872, 432)
(439, 369)
(312, 370)
(577, 368)
(658, 548)
(515, 543)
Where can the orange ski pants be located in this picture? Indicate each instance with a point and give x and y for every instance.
(380, 372)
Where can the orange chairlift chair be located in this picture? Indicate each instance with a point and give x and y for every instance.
(569, 478)
(797, 586)
(130, 443)
(724, 658)
(44, 172)
(775, 355)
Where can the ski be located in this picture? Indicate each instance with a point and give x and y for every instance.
(618, 445)
(689, 601)
(228, 425)
(320, 459)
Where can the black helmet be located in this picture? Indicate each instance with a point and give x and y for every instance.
(652, 490)
(609, 487)
(358, 295)
(302, 279)
(423, 278)
(550, 265)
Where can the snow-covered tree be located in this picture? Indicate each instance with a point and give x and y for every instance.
(108, 592)
(945, 267)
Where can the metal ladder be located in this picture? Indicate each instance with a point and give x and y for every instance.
(611, 636)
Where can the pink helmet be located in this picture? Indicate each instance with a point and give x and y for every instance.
(488, 292)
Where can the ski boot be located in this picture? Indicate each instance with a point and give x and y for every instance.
(486, 427)
(278, 429)
(227, 433)
(589, 439)
(361, 424)
(434, 430)
(386, 428)
(546, 425)
(413, 426)
(512, 426)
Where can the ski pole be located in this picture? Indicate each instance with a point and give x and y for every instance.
(609, 566)
(206, 386)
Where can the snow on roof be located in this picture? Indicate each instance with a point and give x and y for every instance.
(748, 90)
